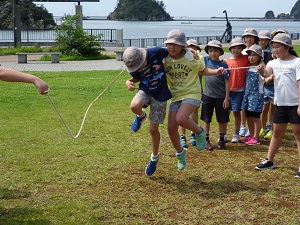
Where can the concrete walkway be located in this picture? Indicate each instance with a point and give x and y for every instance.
(86, 65)
(11, 61)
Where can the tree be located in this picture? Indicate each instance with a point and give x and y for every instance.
(144, 10)
(295, 12)
(269, 15)
(72, 40)
(32, 16)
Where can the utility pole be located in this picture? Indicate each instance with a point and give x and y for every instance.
(16, 23)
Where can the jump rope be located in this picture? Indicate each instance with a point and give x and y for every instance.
(86, 112)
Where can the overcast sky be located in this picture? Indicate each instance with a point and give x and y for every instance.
(191, 8)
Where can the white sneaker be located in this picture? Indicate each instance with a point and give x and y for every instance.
(235, 138)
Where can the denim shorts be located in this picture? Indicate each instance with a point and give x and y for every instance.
(157, 109)
(235, 100)
(269, 94)
(174, 106)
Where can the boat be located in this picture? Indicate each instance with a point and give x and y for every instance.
(187, 22)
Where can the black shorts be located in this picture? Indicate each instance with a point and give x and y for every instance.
(286, 114)
(252, 114)
(208, 106)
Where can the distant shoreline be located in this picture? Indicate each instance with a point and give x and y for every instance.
(204, 19)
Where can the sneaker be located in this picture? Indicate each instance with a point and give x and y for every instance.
(246, 139)
(262, 133)
(247, 133)
(265, 164)
(200, 140)
(235, 138)
(225, 137)
(181, 159)
(269, 127)
(269, 135)
(193, 139)
(221, 144)
(253, 141)
(183, 141)
(298, 174)
(243, 131)
(208, 145)
(137, 123)
(151, 167)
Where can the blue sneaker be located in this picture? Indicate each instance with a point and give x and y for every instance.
(183, 141)
(151, 167)
(269, 126)
(200, 140)
(243, 131)
(193, 139)
(137, 123)
(181, 159)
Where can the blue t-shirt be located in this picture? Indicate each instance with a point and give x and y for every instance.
(153, 80)
(215, 85)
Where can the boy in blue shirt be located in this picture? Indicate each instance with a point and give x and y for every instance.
(215, 94)
(146, 67)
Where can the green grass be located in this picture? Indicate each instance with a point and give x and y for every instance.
(46, 177)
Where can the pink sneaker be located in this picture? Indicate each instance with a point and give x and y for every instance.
(246, 139)
(253, 141)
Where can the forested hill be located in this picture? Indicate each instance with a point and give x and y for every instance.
(142, 10)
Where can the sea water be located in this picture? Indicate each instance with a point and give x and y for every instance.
(154, 29)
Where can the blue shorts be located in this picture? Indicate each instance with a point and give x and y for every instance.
(174, 106)
(269, 94)
(235, 100)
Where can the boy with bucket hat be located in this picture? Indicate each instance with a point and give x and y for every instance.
(192, 44)
(237, 63)
(215, 94)
(182, 73)
(146, 67)
(286, 71)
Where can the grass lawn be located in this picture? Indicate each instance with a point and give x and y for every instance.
(48, 178)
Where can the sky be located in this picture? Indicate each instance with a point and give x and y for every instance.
(190, 8)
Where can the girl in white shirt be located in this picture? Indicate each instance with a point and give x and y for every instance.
(286, 71)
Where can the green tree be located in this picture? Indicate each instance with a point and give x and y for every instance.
(295, 12)
(270, 15)
(144, 10)
(32, 16)
(72, 40)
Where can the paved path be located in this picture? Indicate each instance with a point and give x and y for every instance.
(107, 64)
(11, 61)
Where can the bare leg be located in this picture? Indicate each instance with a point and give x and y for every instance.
(296, 132)
(279, 132)
(155, 135)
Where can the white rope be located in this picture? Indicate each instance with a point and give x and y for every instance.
(83, 121)
(242, 67)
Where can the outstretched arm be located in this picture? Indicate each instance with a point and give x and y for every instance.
(11, 75)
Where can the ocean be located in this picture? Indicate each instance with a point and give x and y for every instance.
(153, 29)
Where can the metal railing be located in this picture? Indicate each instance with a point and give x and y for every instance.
(47, 37)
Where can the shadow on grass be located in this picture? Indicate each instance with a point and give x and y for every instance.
(19, 215)
(214, 189)
(6, 193)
